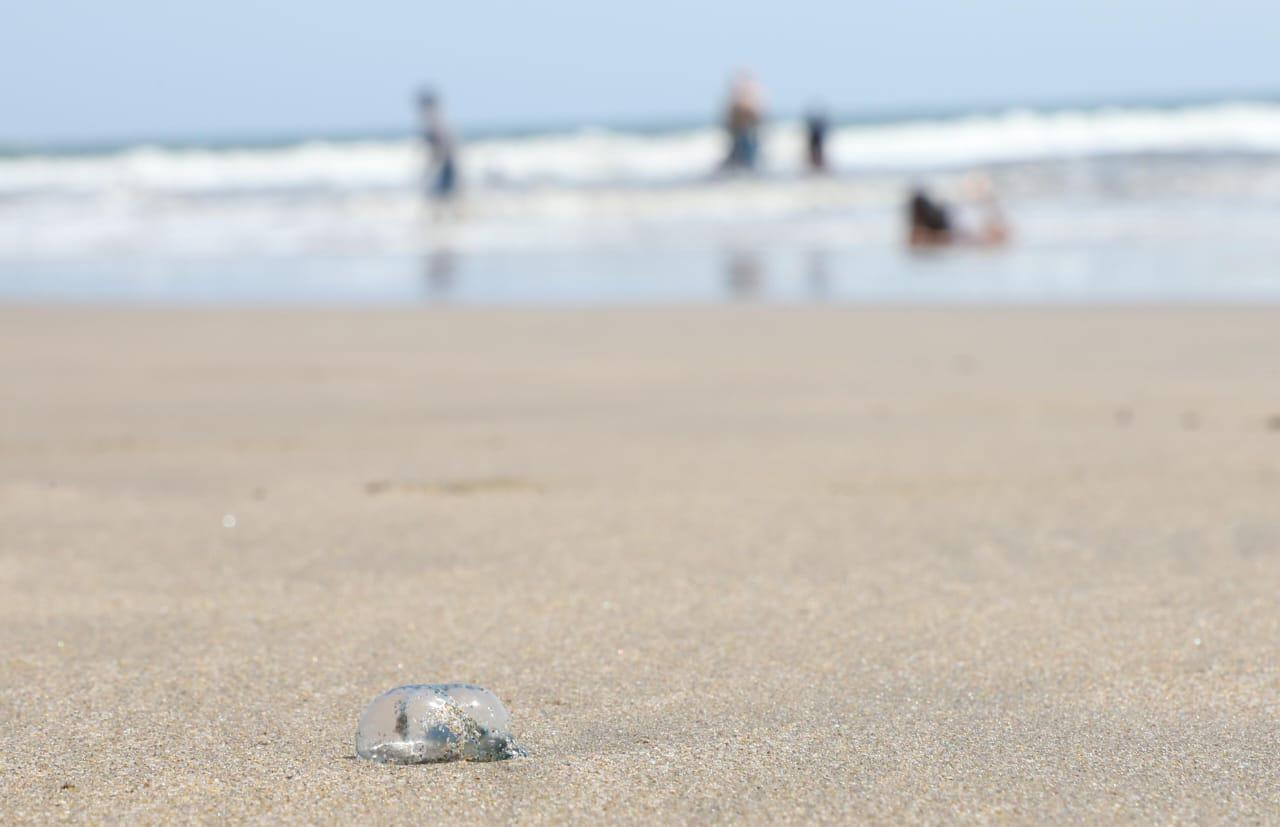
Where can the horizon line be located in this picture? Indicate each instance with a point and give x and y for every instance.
(483, 130)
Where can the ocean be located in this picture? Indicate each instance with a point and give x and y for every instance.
(1148, 203)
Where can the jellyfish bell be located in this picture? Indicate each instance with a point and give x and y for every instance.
(429, 723)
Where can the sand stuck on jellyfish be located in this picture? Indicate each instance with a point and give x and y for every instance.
(429, 723)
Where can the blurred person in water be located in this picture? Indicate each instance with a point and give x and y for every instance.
(743, 116)
(816, 126)
(932, 222)
(442, 171)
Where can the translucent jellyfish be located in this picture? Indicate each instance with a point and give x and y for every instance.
(425, 723)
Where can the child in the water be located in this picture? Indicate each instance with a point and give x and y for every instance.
(931, 222)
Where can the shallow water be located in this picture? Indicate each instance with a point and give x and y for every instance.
(1105, 205)
(1161, 253)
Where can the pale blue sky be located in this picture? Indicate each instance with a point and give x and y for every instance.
(89, 69)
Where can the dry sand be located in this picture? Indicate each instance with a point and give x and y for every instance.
(748, 564)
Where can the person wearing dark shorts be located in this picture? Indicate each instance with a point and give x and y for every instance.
(446, 180)
(816, 126)
(443, 173)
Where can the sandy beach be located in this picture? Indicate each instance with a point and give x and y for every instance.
(751, 564)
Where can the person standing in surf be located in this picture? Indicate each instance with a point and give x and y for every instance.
(743, 116)
(816, 126)
(442, 171)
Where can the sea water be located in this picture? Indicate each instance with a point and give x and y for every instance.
(1106, 203)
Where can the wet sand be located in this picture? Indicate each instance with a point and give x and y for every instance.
(748, 564)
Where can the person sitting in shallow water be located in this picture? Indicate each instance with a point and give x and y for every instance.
(931, 223)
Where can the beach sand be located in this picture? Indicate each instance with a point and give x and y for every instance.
(722, 563)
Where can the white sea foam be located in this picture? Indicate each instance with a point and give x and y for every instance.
(599, 157)
(597, 188)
